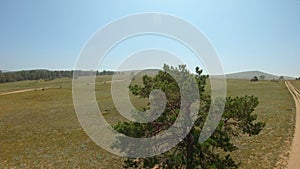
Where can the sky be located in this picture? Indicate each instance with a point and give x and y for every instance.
(247, 35)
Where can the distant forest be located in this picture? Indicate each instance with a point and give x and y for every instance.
(44, 74)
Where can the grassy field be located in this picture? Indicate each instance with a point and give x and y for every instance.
(39, 129)
(276, 108)
(296, 83)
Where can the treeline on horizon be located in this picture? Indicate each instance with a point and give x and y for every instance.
(45, 74)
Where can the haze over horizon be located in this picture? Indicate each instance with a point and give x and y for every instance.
(254, 35)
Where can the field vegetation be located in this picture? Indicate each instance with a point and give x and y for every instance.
(39, 129)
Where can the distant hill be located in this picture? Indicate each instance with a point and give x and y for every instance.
(251, 74)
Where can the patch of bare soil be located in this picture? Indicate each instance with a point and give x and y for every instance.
(294, 157)
(22, 91)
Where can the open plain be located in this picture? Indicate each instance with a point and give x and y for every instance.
(39, 128)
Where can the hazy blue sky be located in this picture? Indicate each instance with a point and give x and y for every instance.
(253, 35)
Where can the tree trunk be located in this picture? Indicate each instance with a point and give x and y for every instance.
(189, 151)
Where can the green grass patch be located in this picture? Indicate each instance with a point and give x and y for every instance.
(276, 107)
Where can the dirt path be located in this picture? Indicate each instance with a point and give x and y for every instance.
(22, 91)
(43, 88)
(294, 158)
(122, 80)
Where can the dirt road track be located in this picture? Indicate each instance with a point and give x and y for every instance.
(294, 158)
(22, 91)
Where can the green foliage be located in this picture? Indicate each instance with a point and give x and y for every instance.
(254, 79)
(281, 78)
(46, 74)
(189, 153)
(33, 75)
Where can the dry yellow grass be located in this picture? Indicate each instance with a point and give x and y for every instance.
(39, 129)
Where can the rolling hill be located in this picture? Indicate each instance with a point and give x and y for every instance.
(251, 74)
